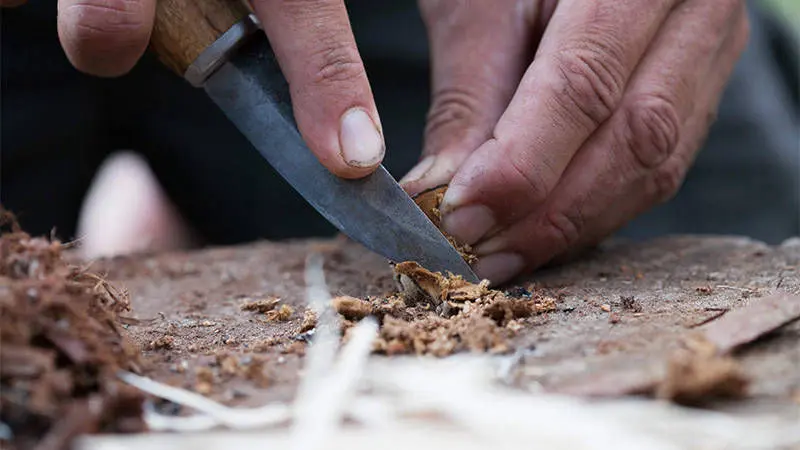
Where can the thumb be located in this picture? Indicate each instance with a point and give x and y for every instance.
(478, 54)
(105, 37)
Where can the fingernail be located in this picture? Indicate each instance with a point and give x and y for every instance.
(362, 144)
(500, 267)
(453, 198)
(419, 170)
(494, 245)
(468, 224)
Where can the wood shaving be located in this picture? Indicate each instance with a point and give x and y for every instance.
(309, 321)
(352, 308)
(263, 305)
(281, 314)
(429, 202)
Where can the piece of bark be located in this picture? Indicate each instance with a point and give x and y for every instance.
(702, 370)
(744, 325)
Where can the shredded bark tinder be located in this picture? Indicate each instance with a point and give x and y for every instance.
(61, 347)
(429, 202)
(438, 315)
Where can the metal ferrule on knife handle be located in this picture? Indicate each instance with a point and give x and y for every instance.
(195, 37)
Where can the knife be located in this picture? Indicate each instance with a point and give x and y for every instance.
(218, 45)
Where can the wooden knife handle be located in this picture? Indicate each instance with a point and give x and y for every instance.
(184, 28)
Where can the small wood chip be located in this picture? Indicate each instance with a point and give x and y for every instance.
(262, 305)
(162, 343)
(309, 321)
(282, 314)
(352, 308)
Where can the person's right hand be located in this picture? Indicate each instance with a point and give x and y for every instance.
(314, 44)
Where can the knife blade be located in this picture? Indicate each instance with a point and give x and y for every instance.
(240, 73)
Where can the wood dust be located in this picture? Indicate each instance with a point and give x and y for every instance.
(439, 315)
(62, 346)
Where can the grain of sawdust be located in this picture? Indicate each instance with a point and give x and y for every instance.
(309, 321)
(352, 308)
(439, 315)
(630, 303)
(161, 343)
(281, 314)
(262, 305)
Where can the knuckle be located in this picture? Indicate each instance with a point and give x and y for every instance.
(742, 35)
(451, 107)
(565, 227)
(108, 24)
(336, 64)
(666, 181)
(590, 83)
(651, 129)
(534, 177)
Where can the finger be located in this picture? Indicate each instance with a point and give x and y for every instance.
(576, 80)
(105, 37)
(478, 54)
(642, 153)
(332, 99)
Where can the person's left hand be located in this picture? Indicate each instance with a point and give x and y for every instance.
(558, 122)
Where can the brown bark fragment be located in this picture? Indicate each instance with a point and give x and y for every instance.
(745, 325)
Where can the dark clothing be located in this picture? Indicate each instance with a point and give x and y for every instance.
(58, 125)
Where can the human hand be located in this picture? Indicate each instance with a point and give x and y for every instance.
(314, 45)
(556, 122)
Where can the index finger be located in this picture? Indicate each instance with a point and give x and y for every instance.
(331, 96)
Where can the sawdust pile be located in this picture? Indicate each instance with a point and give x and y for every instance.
(441, 315)
(61, 347)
